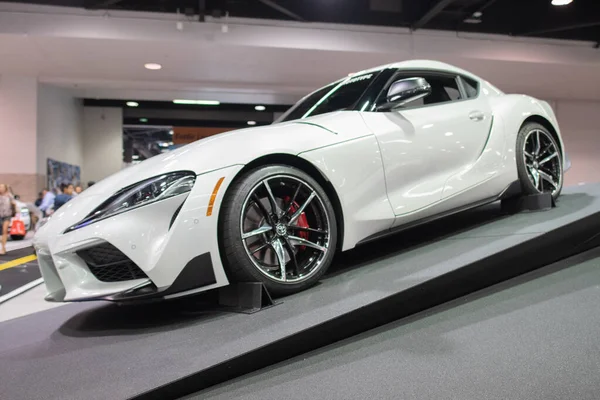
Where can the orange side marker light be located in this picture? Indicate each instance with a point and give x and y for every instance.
(213, 197)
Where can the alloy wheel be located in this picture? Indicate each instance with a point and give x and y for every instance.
(543, 161)
(285, 228)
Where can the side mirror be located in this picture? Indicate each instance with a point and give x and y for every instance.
(406, 91)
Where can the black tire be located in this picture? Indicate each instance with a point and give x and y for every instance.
(235, 252)
(527, 185)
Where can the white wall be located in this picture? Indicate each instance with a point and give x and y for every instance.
(59, 127)
(18, 116)
(102, 142)
(580, 128)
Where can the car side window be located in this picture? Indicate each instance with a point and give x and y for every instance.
(444, 88)
(471, 87)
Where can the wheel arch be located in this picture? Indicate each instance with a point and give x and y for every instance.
(308, 168)
(548, 125)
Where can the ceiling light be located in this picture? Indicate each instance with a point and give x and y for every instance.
(477, 14)
(132, 103)
(152, 66)
(260, 108)
(163, 144)
(561, 2)
(251, 122)
(135, 157)
(197, 102)
(143, 119)
(171, 132)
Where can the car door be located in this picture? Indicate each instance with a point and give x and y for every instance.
(425, 142)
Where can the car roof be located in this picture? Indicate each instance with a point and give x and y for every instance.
(408, 65)
(419, 64)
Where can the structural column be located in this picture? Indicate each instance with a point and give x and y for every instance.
(102, 142)
(18, 135)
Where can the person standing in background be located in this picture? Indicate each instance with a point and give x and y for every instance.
(47, 201)
(7, 211)
(62, 198)
(38, 201)
(78, 190)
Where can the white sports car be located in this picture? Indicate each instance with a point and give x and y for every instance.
(370, 154)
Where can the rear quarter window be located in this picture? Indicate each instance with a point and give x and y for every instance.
(471, 87)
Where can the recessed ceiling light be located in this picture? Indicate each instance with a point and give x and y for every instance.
(143, 119)
(132, 103)
(171, 132)
(260, 108)
(152, 66)
(477, 14)
(561, 2)
(163, 144)
(251, 122)
(197, 102)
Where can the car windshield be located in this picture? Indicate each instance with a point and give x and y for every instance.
(341, 95)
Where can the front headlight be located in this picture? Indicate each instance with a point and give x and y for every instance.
(141, 194)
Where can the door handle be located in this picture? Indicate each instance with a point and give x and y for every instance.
(476, 116)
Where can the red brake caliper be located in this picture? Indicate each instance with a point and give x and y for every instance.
(302, 221)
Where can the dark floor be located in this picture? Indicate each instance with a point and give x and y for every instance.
(534, 337)
(15, 277)
(14, 254)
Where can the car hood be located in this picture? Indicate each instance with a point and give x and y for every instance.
(220, 151)
(238, 148)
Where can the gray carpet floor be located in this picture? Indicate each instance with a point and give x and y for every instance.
(535, 337)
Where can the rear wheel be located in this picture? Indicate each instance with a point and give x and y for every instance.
(277, 227)
(539, 161)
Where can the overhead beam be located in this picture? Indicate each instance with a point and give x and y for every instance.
(432, 13)
(103, 3)
(560, 29)
(486, 5)
(282, 10)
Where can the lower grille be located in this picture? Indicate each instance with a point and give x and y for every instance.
(108, 264)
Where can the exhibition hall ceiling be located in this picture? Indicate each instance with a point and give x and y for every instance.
(101, 54)
(580, 20)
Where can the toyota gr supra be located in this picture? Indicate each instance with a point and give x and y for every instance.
(370, 154)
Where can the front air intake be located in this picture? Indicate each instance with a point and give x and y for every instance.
(109, 264)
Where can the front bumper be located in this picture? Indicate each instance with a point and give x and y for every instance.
(172, 242)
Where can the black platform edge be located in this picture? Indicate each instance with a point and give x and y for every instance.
(532, 202)
(556, 245)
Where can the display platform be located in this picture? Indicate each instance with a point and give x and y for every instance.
(99, 351)
(534, 337)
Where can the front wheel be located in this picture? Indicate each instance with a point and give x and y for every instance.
(277, 227)
(539, 161)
